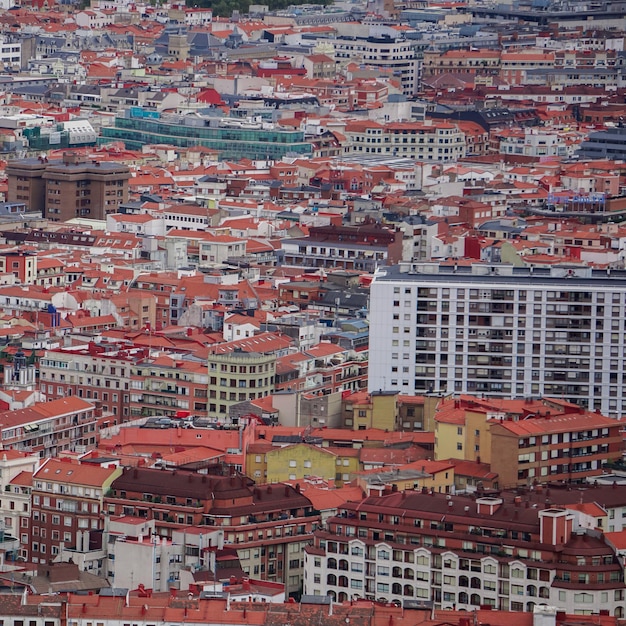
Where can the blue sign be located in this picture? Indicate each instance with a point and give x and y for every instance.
(592, 198)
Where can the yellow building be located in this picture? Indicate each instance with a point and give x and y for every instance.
(462, 431)
(364, 410)
(450, 436)
(299, 461)
(273, 464)
(256, 461)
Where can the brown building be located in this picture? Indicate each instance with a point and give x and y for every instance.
(67, 507)
(268, 525)
(69, 187)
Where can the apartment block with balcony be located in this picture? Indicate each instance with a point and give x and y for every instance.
(67, 499)
(268, 525)
(16, 470)
(398, 56)
(345, 247)
(94, 372)
(69, 187)
(165, 385)
(527, 441)
(236, 377)
(464, 553)
(422, 141)
(499, 330)
(48, 428)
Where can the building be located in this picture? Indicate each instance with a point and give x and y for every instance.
(462, 553)
(67, 508)
(48, 428)
(70, 187)
(423, 141)
(238, 376)
(232, 138)
(268, 525)
(604, 144)
(396, 55)
(22, 264)
(96, 373)
(527, 441)
(16, 469)
(137, 555)
(345, 247)
(502, 331)
(363, 410)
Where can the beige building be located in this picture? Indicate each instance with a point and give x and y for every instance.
(236, 377)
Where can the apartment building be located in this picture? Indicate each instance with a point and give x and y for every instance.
(527, 441)
(67, 499)
(345, 247)
(167, 384)
(268, 525)
(48, 428)
(499, 330)
(70, 187)
(400, 57)
(422, 141)
(464, 553)
(21, 263)
(238, 376)
(94, 372)
(475, 62)
(137, 555)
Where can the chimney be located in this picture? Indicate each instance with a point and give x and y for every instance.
(544, 615)
(555, 526)
(488, 506)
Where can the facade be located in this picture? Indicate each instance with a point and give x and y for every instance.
(269, 526)
(238, 376)
(233, 139)
(91, 373)
(67, 507)
(48, 428)
(529, 441)
(604, 144)
(70, 187)
(464, 553)
(16, 470)
(23, 265)
(345, 247)
(166, 385)
(503, 331)
(136, 555)
(422, 141)
(397, 55)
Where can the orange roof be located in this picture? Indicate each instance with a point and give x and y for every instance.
(25, 479)
(558, 424)
(63, 471)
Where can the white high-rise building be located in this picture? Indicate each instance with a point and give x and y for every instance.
(500, 330)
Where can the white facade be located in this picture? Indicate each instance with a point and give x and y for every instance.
(93, 19)
(10, 53)
(397, 55)
(137, 555)
(500, 331)
(392, 575)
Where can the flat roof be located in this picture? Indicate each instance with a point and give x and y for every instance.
(560, 277)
